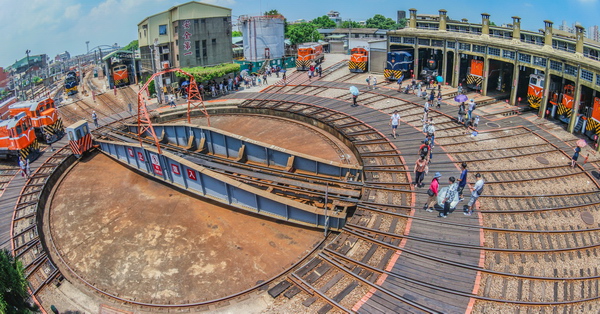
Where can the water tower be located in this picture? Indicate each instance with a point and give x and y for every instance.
(263, 37)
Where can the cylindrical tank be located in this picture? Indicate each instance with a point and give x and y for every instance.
(263, 37)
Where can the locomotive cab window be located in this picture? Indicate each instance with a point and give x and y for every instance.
(85, 129)
(78, 132)
(533, 81)
(18, 129)
(70, 135)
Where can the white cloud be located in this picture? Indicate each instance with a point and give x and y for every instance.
(72, 12)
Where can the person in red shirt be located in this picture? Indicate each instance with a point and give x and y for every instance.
(434, 187)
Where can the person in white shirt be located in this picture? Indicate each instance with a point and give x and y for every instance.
(394, 120)
(477, 191)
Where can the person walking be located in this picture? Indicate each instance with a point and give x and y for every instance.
(477, 191)
(368, 79)
(23, 165)
(399, 82)
(434, 188)
(575, 156)
(354, 104)
(394, 121)
(460, 89)
(426, 107)
(472, 106)
(431, 131)
(48, 138)
(374, 81)
(461, 112)
(462, 181)
(95, 118)
(320, 70)
(421, 169)
(450, 196)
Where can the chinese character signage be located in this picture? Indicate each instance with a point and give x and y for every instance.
(186, 37)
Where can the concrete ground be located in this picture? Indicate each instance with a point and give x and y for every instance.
(144, 241)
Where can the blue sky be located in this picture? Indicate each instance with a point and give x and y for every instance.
(53, 26)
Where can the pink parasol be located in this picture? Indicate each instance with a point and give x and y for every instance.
(581, 143)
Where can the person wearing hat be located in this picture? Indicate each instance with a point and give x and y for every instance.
(472, 106)
(434, 188)
(477, 191)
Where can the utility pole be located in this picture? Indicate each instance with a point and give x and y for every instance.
(29, 72)
(133, 65)
(87, 45)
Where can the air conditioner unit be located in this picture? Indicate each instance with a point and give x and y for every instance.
(165, 64)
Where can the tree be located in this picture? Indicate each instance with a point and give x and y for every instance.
(132, 45)
(236, 34)
(14, 297)
(381, 22)
(402, 23)
(302, 33)
(272, 12)
(351, 24)
(323, 22)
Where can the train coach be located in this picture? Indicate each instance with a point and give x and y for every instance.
(17, 138)
(308, 54)
(398, 63)
(359, 58)
(80, 139)
(44, 117)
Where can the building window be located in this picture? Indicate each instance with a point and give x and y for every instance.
(478, 48)
(409, 40)
(571, 70)
(424, 42)
(524, 57)
(224, 19)
(437, 43)
(177, 42)
(598, 79)
(177, 57)
(494, 51)
(395, 39)
(463, 46)
(587, 75)
(540, 61)
(197, 49)
(203, 21)
(162, 29)
(508, 54)
(451, 44)
(214, 41)
(555, 65)
(204, 52)
(176, 28)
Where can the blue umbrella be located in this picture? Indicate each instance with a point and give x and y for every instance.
(439, 79)
(186, 83)
(461, 98)
(354, 90)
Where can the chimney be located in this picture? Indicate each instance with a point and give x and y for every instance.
(443, 18)
(548, 33)
(516, 27)
(412, 23)
(579, 34)
(485, 24)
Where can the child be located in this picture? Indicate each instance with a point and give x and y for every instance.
(476, 122)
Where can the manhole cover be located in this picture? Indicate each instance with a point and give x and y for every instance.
(542, 160)
(493, 125)
(596, 174)
(587, 218)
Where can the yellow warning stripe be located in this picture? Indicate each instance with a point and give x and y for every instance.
(534, 101)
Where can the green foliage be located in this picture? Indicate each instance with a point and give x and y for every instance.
(132, 45)
(203, 74)
(351, 24)
(236, 34)
(323, 22)
(14, 297)
(381, 22)
(402, 23)
(302, 33)
(151, 87)
(492, 24)
(272, 12)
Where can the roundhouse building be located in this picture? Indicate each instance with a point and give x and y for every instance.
(556, 72)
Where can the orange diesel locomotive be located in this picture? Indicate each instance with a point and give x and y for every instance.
(44, 117)
(17, 138)
(120, 75)
(535, 90)
(307, 54)
(358, 60)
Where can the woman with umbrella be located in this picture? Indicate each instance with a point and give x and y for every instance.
(354, 92)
